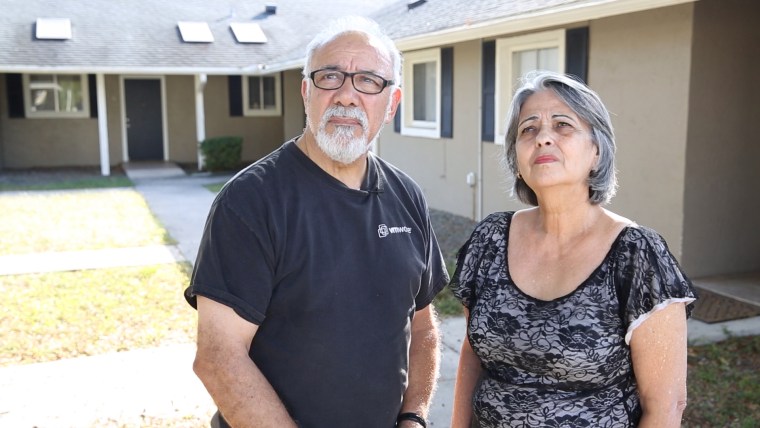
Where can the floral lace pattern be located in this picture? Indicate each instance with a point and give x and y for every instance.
(565, 362)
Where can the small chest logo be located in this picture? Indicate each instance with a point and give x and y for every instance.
(383, 230)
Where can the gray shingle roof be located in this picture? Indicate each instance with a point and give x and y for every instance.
(437, 15)
(142, 35)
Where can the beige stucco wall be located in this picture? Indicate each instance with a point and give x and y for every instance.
(440, 166)
(294, 117)
(639, 64)
(722, 199)
(180, 119)
(114, 112)
(260, 135)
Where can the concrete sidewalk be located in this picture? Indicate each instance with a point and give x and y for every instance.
(130, 389)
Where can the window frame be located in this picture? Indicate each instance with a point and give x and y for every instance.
(409, 126)
(262, 112)
(33, 114)
(505, 81)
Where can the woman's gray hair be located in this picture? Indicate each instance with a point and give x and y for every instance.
(584, 102)
(354, 24)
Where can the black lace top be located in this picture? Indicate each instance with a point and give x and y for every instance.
(565, 362)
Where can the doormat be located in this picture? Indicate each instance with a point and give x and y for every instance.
(713, 307)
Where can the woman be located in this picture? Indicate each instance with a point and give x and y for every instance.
(576, 316)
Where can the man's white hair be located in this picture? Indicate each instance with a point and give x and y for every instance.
(354, 24)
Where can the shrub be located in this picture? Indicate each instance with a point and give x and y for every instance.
(222, 153)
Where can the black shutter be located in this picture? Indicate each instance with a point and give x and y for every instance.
(576, 52)
(14, 87)
(397, 120)
(489, 90)
(235, 84)
(447, 92)
(93, 87)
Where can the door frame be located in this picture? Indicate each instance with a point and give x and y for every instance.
(123, 118)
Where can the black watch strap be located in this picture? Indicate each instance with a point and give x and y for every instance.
(409, 416)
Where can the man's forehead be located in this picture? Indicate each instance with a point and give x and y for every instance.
(353, 48)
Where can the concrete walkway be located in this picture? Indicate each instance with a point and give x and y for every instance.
(130, 389)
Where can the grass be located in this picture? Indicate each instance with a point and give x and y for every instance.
(74, 183)
(76, 220)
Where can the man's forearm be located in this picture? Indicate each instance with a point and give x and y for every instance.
(244, 396)
(424, 359)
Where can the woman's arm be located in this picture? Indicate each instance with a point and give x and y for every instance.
(658, 350)
(468, 373)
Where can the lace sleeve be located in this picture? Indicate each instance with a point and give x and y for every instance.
(476, 256)
(653, 278)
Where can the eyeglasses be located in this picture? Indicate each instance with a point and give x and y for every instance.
(364, 82)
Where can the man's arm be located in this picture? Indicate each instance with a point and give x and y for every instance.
(424, 358)
(239, 389)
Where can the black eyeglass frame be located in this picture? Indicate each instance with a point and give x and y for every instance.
(347, 75)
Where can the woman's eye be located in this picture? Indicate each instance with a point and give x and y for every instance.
(527, 130)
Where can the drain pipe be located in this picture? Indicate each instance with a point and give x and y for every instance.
(200, 115)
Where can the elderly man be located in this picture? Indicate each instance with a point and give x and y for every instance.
(318, 263)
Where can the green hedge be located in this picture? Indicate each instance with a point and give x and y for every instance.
(222, 153)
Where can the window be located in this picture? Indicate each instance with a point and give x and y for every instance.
(421, 106)
(261, 95)
(516, 56)
(56, 95)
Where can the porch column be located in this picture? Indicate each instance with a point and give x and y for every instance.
(200, 115)
(105, 162)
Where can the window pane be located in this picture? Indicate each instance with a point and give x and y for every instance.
(70, 93)
(548, 59)
(42, 88)
(424, 76)
(270, 102)
(254, 92)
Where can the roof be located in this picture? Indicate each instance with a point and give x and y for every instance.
(439, 22)
(142, 36)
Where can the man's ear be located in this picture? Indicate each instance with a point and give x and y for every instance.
(395, 100)
(304, 91)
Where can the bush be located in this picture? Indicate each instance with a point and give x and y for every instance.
(222, 153)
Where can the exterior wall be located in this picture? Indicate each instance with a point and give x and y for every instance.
(260, 135)
(180, 120)
(113, 108)
(640, 65)
(46, 142)
(440, 166)
(722, 200)
(294, 116)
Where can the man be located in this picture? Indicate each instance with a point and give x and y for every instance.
(318, 263)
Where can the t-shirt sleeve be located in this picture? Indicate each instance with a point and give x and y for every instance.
(654, 279)
(235, 263)
(435, 276)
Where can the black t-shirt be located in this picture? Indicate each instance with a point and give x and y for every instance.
(331, 275)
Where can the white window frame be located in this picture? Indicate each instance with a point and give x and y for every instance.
(33, 114)
(409, 126)
(277, 111)
(505, 81)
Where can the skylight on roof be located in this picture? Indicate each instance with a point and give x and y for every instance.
(248, 32)
(53, 28)
(195, 32)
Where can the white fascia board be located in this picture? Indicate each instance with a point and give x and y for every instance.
(211, 71)
(557, 16)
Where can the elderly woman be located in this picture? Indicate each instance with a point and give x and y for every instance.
(576, 316)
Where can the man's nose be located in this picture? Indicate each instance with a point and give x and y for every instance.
(347, 95)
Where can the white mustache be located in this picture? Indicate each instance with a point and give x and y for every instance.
(349, 112)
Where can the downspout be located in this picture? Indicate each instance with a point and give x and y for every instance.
(105, 158)
(479, 178)
(200, 115)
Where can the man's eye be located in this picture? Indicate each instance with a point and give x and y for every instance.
(330, 76)
(366, 79)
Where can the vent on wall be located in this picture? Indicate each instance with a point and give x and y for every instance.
(53, 29)
(195, 32)
(414, 3)
(248, 32)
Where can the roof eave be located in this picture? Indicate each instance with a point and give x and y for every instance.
(532, 21)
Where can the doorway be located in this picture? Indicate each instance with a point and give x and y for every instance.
(143, 120)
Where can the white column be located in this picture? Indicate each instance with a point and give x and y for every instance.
(105, 159)
(200, 115)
